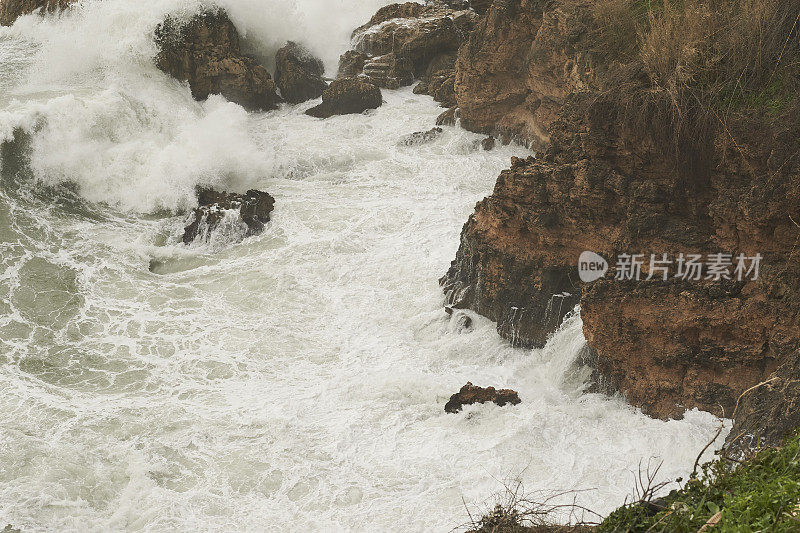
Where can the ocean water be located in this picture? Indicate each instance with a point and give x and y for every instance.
(292, 381)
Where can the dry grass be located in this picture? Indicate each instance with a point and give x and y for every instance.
(681, 70)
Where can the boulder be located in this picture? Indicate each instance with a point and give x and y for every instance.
(254, 211)
(298, 74)
(351, 63)
(10, 10)
(346, 96)
(488, 144)
(470, 394)
(205, 52)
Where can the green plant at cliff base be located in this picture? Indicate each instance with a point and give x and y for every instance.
(761, 494)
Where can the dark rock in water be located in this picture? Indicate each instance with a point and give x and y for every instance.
(10, 10)
(488, 143)
(448, 118)
(351, 63)
(463, 323)
(205, 52)
(298, 74)
(470, 394)
(421, 88)
(254, 211)
(11, 529)
(345, 96)
(420, 137)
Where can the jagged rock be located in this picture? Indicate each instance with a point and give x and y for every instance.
(488, 144)
(413, 33)
(351, 63)
(421, 137)
(421, 88)
(10, 10)
(345, 96)
(205, 52)
(388, 71)
(448, 118)
(254, 211)
(470, 394)
(298, 74)
(518, 66)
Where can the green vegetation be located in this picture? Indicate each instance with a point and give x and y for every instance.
(761, 494)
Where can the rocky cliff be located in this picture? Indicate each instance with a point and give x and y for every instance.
(520, 63)
(10, 10)
(621, 173)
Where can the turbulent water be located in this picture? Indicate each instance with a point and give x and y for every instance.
(294, 381)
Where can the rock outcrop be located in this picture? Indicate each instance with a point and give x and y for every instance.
(205, 52)
(519, 64)
(346, 96)
(253, 210)
(470, 394)
(421, 137)
(603, 187)
(10, 10)
(402, 41)
(298, 74)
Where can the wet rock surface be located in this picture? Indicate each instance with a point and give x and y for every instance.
(401, 42)
(298, 74)
(347, 96)
(470, 394)
(205, 52)
(254, 209)
(10, 10)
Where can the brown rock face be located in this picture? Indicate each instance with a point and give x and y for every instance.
(518, 66)
(298, 74)
(346, 96)
(470, 394)
(667, 345)
(254, 210)
(205, 52)
(10, 10)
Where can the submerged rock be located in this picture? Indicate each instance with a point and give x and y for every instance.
(488, 144)
(254, 208)
(10, 10)
(298, 74)
(205, 52)
(470, 394)
(421, 137)
(346, 96)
